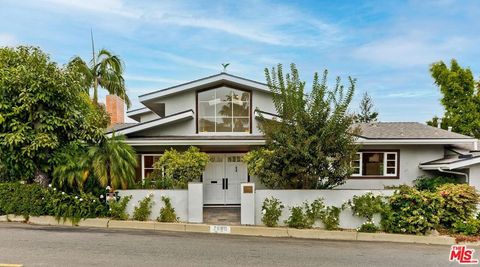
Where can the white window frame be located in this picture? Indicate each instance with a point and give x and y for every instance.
(215, 114)
(385, 160)
(143, 163)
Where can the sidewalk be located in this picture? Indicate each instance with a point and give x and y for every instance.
(240, 230)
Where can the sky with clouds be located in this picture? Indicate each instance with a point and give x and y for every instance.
(386, 45)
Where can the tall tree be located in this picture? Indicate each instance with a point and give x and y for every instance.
(105, 70)
(42, 109)
(367, 113)
(460, 98)
(310, 145)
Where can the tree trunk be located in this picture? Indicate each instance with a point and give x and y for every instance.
(41, 178)
(95, 90)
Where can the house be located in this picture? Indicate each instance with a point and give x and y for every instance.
(219, 114)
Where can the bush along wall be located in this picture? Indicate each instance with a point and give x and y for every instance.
(32, 200)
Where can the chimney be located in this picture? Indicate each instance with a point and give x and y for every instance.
(449, 128)
(116, 109)
(439, 123)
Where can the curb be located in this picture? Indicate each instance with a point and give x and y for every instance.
(241, 230)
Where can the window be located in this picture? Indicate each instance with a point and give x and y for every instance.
(223, 110)
(147, 164)
(375, 164)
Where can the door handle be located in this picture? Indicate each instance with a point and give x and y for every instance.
(226, 183)
(223, 183)
(213, 182)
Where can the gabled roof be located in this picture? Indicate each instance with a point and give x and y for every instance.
(136, 127)
(405, 130)
(217, 79)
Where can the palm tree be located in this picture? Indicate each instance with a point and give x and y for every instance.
(112, 162)
(105, 70)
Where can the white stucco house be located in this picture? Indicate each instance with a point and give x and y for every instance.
(219, 114)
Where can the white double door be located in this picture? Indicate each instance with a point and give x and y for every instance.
(222, 179)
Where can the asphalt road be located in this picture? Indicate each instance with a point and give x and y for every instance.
(67, 246)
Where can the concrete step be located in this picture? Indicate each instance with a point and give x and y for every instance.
(221, 215)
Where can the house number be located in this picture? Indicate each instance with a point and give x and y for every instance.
(220, 229)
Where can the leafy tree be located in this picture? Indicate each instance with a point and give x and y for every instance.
(105, 70)
(42, 108)
(461, 98)
(112, 162)
(367, 114)
(311, 144)
(176, 169)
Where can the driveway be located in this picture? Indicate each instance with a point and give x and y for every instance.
(68, 246)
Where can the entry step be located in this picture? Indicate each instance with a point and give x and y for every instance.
(222, 215)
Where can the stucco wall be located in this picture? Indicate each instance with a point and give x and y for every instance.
(262, 101)
(179, 200)
(336, 198)
(148, 117)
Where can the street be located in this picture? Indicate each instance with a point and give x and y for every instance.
(68, 246)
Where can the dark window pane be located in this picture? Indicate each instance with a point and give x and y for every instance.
(206, 125)
(391, 156)
(241, 125)
(390, 163)
(241, 109)
(148, 162)
(372, 163)
(147, 172)
(224, 124)
(390, 170)
(224, 109)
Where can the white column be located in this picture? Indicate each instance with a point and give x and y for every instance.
(247, 200)
(195, 202)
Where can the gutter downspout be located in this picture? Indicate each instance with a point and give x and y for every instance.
(457, 173)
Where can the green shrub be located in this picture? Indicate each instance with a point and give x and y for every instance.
(368, 227)
(460, 203)
(366, 205)
(306, 215)
(331, 218)
(468, 227)
(271, 210)
(167, 212)
(144, 209)
(176, 169)
(412, 211)
(298, 218)
(33, 200)
(118, 208)
(432, 183)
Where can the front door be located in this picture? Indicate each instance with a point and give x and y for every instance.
(222, 179)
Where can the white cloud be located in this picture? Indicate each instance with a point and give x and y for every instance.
(114, 7)
(151, 79)
(7, 39)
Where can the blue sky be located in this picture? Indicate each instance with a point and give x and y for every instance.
(387, 45)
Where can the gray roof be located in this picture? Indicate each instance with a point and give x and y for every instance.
(119, 126)
(405, 130)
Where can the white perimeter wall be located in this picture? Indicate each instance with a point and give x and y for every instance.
(179, 199)
(336, 198)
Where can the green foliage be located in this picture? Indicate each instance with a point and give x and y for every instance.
(33, 200)
(176, 169)
(117, 210)
(167, 212)
(43, 108)
(366, 205)
(112, 162)
(105, 70)
(331, 218)
(306, 215)
(368, 227)
(412, 211)
(461, 98)
(432, 183)
(144, 209)
(468, 227)
(271, 210)
(460, 203)
(366, 110)
(311, 144)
